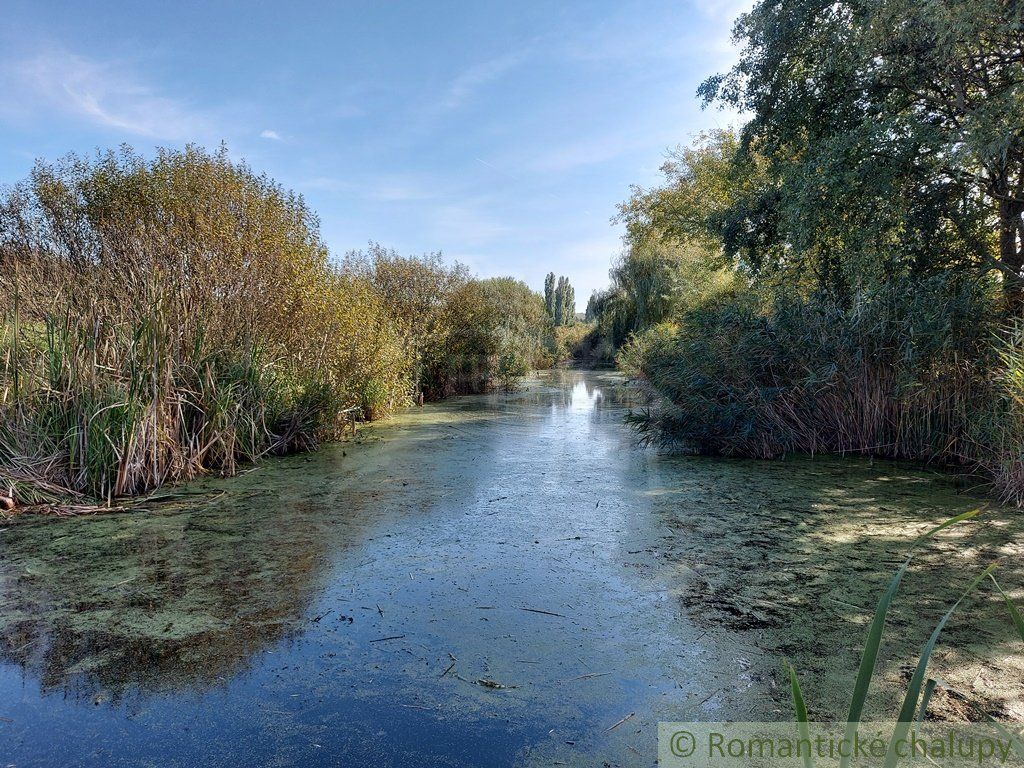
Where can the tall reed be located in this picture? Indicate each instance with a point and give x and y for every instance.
(898, 373)
(168, 317)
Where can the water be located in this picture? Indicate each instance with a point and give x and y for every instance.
(358, 606)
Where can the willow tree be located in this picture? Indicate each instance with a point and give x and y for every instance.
(420, 294)
(894, 132)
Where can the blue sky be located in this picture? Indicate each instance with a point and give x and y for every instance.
(502, 134)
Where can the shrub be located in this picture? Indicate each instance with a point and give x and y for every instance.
(899, 373)
(161, 319)
(166, 318)
(569, 341)
(511, 368)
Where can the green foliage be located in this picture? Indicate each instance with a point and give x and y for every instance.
(672, 259)
(519, 320)
(161, 319)
(571, 342)
(375, 399)
(893, 133)
(511, 369)
(560, 300)
(835, 277)
(900, 373)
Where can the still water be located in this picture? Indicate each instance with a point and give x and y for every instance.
(493, 581)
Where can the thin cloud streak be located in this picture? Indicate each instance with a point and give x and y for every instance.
(464, 86)
(103, 94)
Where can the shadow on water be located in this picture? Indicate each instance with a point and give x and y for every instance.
(494, 580)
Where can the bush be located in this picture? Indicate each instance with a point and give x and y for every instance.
(645, 346)
(167, 318)
(161, 319)
(569, 341)
(899, 373)
(511, 368)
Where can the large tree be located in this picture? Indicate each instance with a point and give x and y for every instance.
(559, 309)
(568, 304)
(894, 132)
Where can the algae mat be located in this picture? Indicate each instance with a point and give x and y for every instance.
(496, 580)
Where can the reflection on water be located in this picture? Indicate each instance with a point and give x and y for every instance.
(180, 600)
(344, 607)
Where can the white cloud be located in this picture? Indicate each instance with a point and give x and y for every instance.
(269, 134)
(101, 93)
(472, 79)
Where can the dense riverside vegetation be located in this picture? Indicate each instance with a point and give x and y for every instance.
(164, 318)
(845, 272)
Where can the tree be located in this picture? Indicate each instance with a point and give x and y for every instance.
(559, 301)
(421, 295)
(893, 132)
(549, 294)
(568, 304)
(521, 323)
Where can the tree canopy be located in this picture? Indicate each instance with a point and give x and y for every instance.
(892, 133)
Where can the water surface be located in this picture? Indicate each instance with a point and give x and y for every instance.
(496, 580)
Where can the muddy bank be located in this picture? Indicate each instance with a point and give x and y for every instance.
(496, 579)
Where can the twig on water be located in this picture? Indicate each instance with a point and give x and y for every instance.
(588, 676)
(545, 613)
(627, 717)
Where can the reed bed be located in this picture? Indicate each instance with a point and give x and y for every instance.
(165, 318)
(921, 372)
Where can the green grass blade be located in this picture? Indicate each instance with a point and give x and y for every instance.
(910, 701)
(869, 657)
(929, 689)
(875, 632)
(970, 515)
(1018, 621)
(801, 712)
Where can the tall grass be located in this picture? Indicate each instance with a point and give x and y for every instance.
(164, 318)
(915, 371)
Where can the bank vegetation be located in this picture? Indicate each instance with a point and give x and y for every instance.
(844, 272)
(163, 318)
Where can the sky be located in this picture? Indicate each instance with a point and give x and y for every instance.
(501, 134)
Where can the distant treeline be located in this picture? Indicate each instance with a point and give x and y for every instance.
(843, 274)
(164, 318)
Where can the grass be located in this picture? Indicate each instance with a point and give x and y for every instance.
(166, 318)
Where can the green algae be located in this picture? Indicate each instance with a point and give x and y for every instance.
(680, 583)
